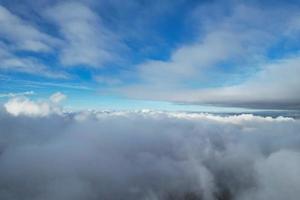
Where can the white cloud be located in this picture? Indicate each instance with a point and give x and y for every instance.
(148, 154)
(57, 97)
(87, 40)
(226, 64)
(272, 183)
(22, 34)
(24, 106)
(17, 94)
(30, 65)
(107, 80)
(237, 38)
(276, 86)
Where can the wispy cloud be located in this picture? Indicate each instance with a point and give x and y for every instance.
(45, 84)
(23, 35)
(17, 94)
(19, 35)
(86, 40)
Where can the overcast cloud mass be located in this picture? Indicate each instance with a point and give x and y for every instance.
(51, 154)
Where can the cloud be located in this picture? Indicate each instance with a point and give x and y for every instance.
(273, 185)
(269, 88)
(22, 34)
(44, 84)
(24, 106)
(148, 155)
(11, 62)
(19, 106)
(86, 40)
(227, 65)
(57, 97)
(82, 39)
(30, 66)
(17, 94)
(235, 38)
(107, 80)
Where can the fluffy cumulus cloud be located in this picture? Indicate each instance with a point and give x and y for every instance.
(21, 105)
(148, 155)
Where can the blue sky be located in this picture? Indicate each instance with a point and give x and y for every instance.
(177, 55)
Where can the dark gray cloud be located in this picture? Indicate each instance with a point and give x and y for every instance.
(148, 155)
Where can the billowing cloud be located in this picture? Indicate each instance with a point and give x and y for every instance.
(148, 155)
(24, 106)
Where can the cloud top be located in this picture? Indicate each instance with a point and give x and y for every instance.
(22, 105)
(148, 155)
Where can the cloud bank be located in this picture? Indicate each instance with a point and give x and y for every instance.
(148, 155)
(238, 42)
(267, 89)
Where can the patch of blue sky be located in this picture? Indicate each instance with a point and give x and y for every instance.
(284, 48)
(100, 102)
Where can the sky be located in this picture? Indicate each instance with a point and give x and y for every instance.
(224, 55)
(149, 100)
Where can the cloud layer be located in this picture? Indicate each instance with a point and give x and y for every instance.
(148, 155)
(201, 72)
